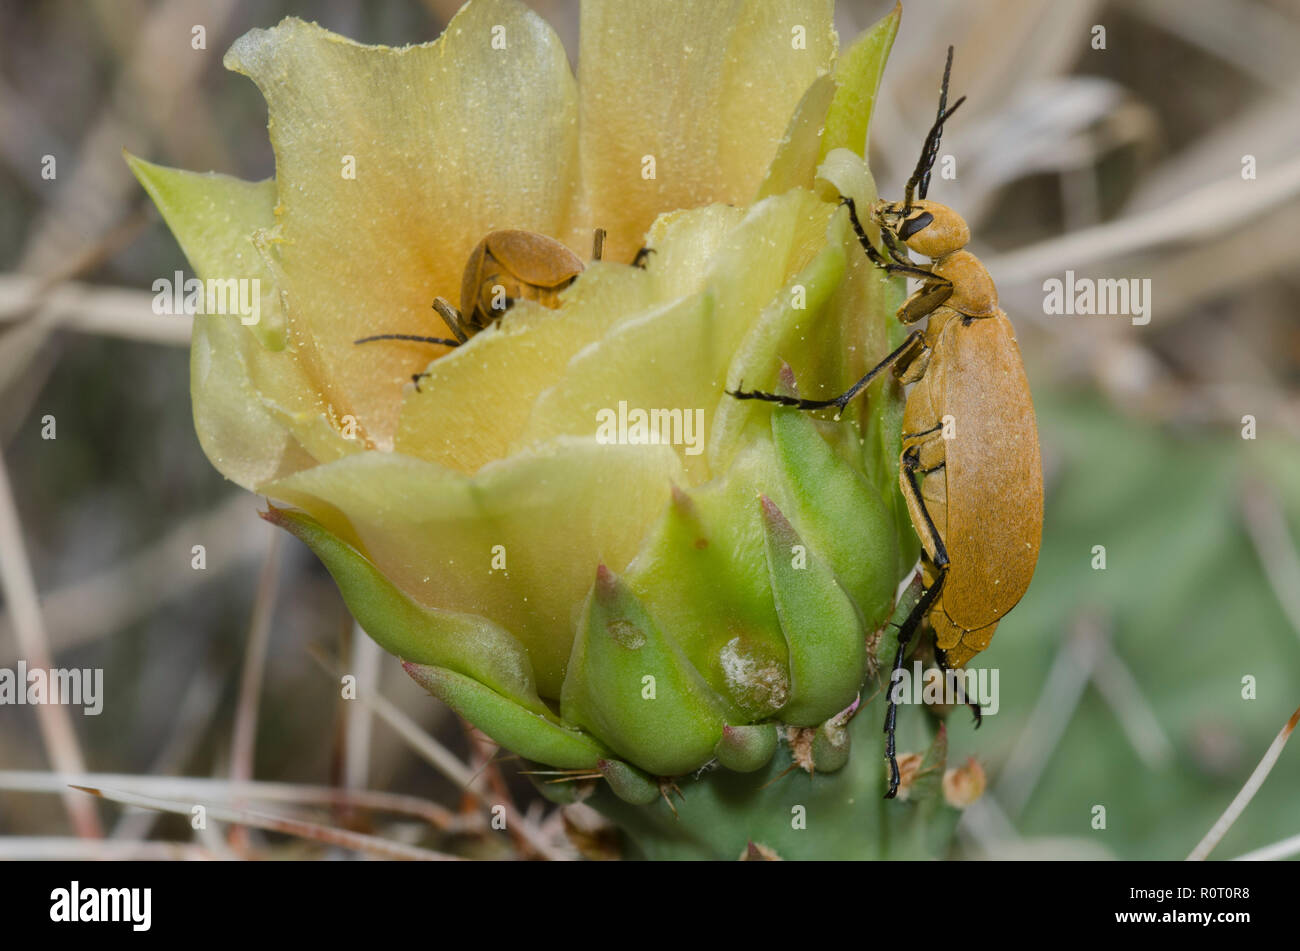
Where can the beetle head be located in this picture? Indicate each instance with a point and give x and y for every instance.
(927, 228)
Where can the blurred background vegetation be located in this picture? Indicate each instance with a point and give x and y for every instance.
(1120, 687)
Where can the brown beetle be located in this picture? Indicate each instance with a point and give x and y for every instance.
(974, 487)
(507, 266)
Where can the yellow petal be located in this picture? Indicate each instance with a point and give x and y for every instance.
(552, 516)
(704, 89)
(676, 356)
(800, 150)
(857, 77)
(475, 401)
(256, 412)
(684, 243)
(834, 112)
(392, 164)
(809, 338)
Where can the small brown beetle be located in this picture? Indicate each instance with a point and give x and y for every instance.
(507, 266)
(974, 490)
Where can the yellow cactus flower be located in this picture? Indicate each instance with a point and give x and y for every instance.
(568, 530)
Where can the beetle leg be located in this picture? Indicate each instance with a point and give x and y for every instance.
(898, 253)
(451, 317)
(598, 244)
(879, 259)
(925, 432)
(925, 301)
(931, 541)
(902, 356)
(941, 656)
(937, 555)
(412, 337)
(916, 369)
(905, 633)
(642, 256)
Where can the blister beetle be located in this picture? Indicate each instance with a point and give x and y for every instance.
(974, 488)
(507, 266)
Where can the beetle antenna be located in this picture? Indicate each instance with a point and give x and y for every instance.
(919, 183)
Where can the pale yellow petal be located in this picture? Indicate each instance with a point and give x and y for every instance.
(800, 150)
(704, 90)
(675, 357)
(684, 243)
(475, 401)
(392, 164)
(258, 415)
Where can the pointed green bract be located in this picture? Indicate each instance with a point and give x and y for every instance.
(463, 643)
(629, 685)
(833, 503)
(629, 783)
(828, 654)
(524, 732)
(830, 746)
(703, 573)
